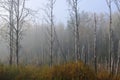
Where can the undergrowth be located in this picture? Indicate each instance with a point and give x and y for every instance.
(69, 71)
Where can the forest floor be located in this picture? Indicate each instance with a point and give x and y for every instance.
(69, 71)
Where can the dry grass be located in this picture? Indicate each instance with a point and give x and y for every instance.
(69, 71)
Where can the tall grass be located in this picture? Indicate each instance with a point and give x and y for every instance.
(69, 71)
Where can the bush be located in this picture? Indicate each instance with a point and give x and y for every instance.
(105, 75)
(70, 71)
(8, 73)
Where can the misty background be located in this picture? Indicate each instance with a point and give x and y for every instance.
(34, 47)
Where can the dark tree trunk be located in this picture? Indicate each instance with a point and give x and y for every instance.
(11, 32)
(95, 46)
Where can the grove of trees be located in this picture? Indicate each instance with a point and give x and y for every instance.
(93, 38)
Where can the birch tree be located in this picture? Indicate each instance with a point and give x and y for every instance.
(11, 32)
(110, 32)
(49, 11)
(74, 13)
(7, 6)
(21, 13)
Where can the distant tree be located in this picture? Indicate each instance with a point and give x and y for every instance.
(59, 32)
(117, 3)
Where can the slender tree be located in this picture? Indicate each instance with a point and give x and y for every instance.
(11, 31)
(95, 42)
(118, 61)
(7, 5)
(21, 13)
(49, 11)
(74, 12)
(110, 32)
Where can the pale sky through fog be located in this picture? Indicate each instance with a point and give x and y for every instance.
(61, 7)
